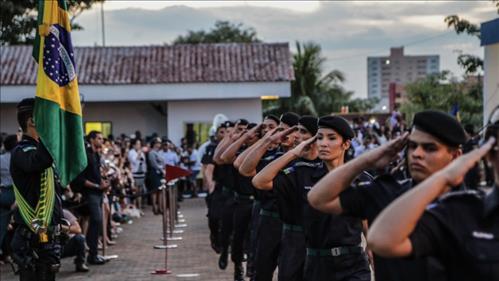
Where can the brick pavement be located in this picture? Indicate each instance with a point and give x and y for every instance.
(137, 258)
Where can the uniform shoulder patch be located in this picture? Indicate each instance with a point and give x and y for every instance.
(288, 170)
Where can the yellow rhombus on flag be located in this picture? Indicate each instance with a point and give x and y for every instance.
(57, 112)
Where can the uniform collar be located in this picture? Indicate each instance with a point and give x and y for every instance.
(491, 201)
(28, 138)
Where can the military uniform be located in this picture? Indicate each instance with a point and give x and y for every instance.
(366, 200)
(37, 254)
(268, 231)
(333, 243)
(462, 229)
(213, 199)
(228, 204)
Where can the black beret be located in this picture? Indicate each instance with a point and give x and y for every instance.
(339, 124)
(273, 117)
(242, 121)
(251, 126)
(229, 124)
(26, 105)
(310, 123)
(290, 118)
(440, 125)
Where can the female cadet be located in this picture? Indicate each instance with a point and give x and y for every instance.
(333, 242)
(462, 228)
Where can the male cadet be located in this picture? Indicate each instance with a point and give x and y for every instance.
(293, 250)
(268, 241)
(461, 228)
(433, 143)
(227, 180)
(211, 176)
(270, 122)
(244, 197)
(36, 245)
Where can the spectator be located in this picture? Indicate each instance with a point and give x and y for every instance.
(156, 173)
(138, 164)
(94, 188)
(6, 192)
(75, 246)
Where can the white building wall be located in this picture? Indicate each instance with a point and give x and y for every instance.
(491, 80)
(127, 117)
(181, 112)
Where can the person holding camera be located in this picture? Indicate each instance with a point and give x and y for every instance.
(138, 164)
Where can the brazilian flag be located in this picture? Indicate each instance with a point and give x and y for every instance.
(57, 113)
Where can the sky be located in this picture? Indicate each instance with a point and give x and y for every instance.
(348, 31)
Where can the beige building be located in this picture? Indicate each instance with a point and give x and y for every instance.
(158, 89)
(490, 41)
(399, 69)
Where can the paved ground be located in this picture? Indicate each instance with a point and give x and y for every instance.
(137, 258)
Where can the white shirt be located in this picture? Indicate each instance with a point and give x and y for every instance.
(137, 163)
(170, 157)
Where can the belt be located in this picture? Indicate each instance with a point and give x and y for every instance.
(334, 252)
(244, 196)
(292, 227)
(269, 214)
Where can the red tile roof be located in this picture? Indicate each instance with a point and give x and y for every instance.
(255, 62)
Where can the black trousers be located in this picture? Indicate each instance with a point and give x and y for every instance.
(254, 222)
(94, 205)
(227, 226)
(242, 219)
(214, 202)
(343, 268)
(267, 247)
(40, 267)
(292, 255)
(75, 247)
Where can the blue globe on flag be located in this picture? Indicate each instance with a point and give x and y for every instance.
(58, 56)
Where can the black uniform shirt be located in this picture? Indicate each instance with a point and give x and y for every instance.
(208, 159)
(29, 159)
(322, 231)
(91, 173)
(462, 228)
(268, 199)
(366, 200)
(243, 184)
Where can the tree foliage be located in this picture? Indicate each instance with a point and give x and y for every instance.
(442, 92)
(312, 91)
(18, 19)
(471, 64)
(222, 32)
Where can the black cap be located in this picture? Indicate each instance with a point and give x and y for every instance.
(440, 125)
(290, 118)
(251, 126)
(273, 117)
(339, 124)
(310, 123)
(26, 105)
(242, 121)
(228, 124)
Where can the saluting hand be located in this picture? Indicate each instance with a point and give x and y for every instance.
(304, 148)
(380, 157)
(279, 136)
(253, 131)
(454, 173)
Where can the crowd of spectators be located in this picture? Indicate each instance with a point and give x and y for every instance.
(122, 177)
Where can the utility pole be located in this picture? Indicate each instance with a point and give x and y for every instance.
(103, 29)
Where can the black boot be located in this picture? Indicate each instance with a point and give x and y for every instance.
(222, 261)
(81, 267)
(238, 272)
